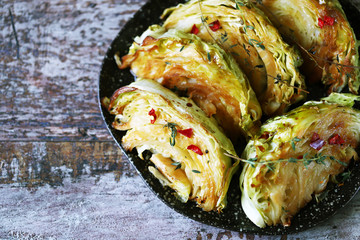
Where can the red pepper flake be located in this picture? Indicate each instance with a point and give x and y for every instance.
(300, 157)
(195, 149)
(214, 26)
(321, 23)
(186, 132)
(326, 21)
(329, 20)
(336, 139)
(189, 104)
(318, 144)
(261, 148)
(314, 137)
(265, 135)
(194, 30)
(152, 113)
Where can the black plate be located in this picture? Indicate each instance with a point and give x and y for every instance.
(233, 217)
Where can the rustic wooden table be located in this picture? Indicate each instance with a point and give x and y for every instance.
(61, 174)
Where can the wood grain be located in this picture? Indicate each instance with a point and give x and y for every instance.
(61, 174)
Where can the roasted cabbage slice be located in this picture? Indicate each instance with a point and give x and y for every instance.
(208, 75)
(244, 31)
(295, 155)
(328, 43)
(187, 146)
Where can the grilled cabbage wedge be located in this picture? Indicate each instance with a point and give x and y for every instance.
(295, 155)
(328, 43)
(187, 146)
(208, 75)
(244, 31)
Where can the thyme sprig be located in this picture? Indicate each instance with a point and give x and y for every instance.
(172, 127)
(317, 158)
(278, 79)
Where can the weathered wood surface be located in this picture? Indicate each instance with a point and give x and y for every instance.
(61, 175)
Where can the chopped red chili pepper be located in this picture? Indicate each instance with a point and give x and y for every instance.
(321, 23)
(194, 30)
(318, 144)
(326, 21)
(195, 149)
(300, 157)
(329, 20)
(152, 113)
(261, 148)
(314, 137)
(214, 26)
(336, 139)
(186, 132)
(265, 135)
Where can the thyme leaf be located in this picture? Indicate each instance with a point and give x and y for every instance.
(177, 164)
(295, 139)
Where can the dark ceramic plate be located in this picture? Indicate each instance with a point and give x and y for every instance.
(233, 217)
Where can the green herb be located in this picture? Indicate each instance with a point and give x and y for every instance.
(168, 63)
(209, 56)
(277, 79)
(251, 41)
(341, 178)
(250, 27)
(270, 167)
(182, 48)
(195, 171)
(282, 208)
(321, 196)
(345, 176)
(247, 50)
(224, 37)
(338, 161)
(259, 66)
(234, 54)
(172, 127)
(338, 69)
(317, 158)
(204, 19)
(233, 45)
(337, 57)
(311, 50)
(257, 43)
(295, 139)
(260, 45)
(239, 4)
(177, 164)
